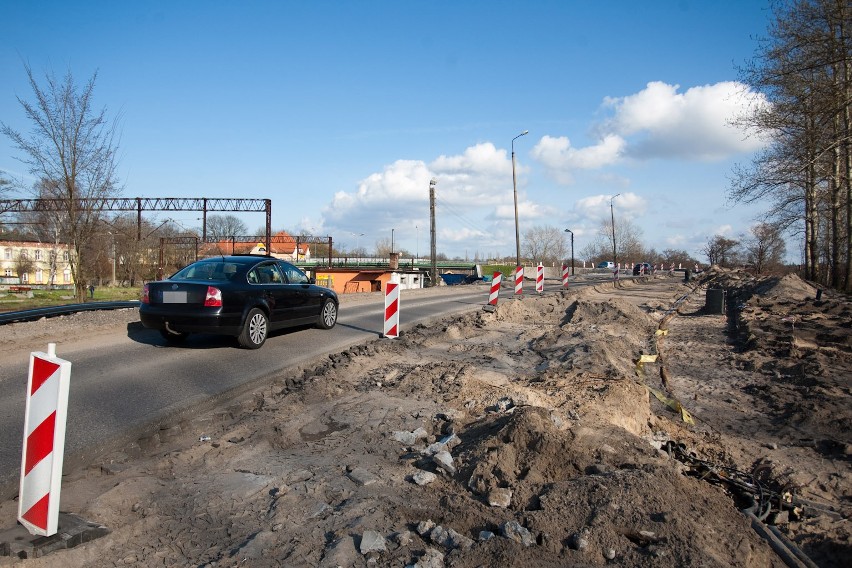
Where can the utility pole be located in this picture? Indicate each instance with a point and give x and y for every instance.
(612, 219)
(433, 270)
(515, 192)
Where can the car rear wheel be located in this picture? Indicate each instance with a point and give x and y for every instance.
(173, 336)
(328, 315)
(255, 330)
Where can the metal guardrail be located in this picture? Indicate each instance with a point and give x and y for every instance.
(53, 311)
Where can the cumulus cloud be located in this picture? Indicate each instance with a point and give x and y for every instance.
(474, 199)
(598, 206)
(658, 122)
(562, 158)
(662, 122)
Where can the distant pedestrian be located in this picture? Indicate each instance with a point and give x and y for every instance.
(92, 291)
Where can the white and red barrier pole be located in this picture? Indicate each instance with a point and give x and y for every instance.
(539, 278)
(519, 280)
(565, 275)
(44, 442)
(392, 307)
(496, 282)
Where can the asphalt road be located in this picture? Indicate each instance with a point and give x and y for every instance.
(135, 381)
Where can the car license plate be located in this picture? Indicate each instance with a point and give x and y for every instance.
(174, 297)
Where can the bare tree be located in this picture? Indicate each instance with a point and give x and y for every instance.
(765, 249)
(5, 185)
(628, 240)
(383, 247)
(223, 227)
(722, 251)
(544, 244)
(23, 264)
(677, 257)
(804, 70)
(72, 150)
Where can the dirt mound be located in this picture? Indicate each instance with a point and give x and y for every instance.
(788, 287)
(518, 437)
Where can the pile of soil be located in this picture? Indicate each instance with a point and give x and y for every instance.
(606, 426)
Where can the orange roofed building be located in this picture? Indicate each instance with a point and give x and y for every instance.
(283, 246)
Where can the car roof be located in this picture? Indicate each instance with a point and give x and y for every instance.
(238, 258)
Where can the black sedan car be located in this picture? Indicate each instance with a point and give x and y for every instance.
(245, 296)
(643, 269)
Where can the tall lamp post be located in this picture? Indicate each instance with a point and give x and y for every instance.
(357, 237)
(572, 250)
(515, 190)
(612, 218)
(433, 255)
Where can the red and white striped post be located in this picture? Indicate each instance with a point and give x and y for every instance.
(566, 273)
(44, 442)
(519, 280)
(392, 307)
(539, 278)
(496, 282)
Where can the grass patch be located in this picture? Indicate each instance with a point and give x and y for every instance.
(36, 298)
(505, 269)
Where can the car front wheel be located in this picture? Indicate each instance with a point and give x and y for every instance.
(255, 330)
(328, 315)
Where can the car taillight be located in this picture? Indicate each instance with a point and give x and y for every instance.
(213, 298)
(146, 299)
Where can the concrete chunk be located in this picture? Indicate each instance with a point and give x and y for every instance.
(423, 477)
(372, 541)
(444, 460)
(514, 531)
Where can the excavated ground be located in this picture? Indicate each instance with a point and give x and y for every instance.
(536, 435)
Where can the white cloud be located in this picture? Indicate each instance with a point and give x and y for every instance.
(561, 158)
(658, 122)
(696, 124)
(675, 241)
(474, 200)
(598, 206)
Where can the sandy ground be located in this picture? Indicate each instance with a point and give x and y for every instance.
(622, 426)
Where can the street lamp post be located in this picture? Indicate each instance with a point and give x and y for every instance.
(515, 191)
(357, 243)
(572, 250)
(433, 254)
(612, 218)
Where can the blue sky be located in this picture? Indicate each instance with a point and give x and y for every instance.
(341, 112)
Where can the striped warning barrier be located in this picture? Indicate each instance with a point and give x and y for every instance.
(539, 278)
(496, 282)
(519, 280)
(565, 275)
(44, 442)
(392, 307)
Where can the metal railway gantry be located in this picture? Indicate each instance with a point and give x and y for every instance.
(140, 204)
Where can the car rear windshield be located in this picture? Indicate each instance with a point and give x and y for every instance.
(216, 271)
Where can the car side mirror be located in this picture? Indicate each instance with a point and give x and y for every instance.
(312, 280)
